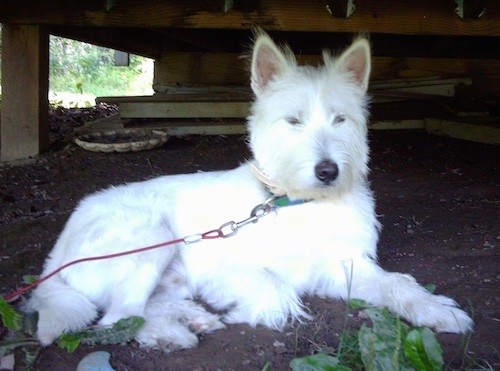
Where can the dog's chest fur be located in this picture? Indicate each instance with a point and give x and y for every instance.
(292, 241)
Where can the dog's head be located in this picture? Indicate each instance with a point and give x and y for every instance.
(308, 124)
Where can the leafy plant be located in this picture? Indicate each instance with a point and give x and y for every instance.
(317, 362)
(23, 327)
(422, 348)
(10, 318)
(381, 345)
(121, 332)
(389, 344)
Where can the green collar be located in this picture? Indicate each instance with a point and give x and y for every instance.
(283, 201)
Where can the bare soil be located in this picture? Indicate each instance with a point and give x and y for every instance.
(437, 200)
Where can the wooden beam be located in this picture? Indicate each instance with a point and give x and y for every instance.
(187, 69)
(476, 130)
(184, 109)
(25, 76)
(382, 16)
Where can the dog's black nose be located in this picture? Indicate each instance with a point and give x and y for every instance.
(326, 171)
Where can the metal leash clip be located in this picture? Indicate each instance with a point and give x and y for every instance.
(229, 229)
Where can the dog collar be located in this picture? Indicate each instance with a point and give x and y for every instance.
(271, 184)
(284, 201)
(280, 198)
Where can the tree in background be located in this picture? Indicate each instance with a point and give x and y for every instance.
(77, 67)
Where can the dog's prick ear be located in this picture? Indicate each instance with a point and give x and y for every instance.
(267, 62)
(357, 60)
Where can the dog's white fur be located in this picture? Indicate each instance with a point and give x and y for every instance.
(302, 117)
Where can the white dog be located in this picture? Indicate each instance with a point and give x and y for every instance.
(308, 135)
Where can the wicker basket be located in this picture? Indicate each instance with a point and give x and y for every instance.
(122, 140)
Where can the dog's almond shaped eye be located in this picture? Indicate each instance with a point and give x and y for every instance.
(339, 118)
(293, 120)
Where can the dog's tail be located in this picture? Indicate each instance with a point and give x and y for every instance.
(60, 309)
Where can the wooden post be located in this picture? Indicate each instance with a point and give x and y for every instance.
(25, 81)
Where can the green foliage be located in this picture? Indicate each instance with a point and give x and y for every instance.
(348, 352)
(29, 279)
(388, 344)
(10, 318)
(317, 362)
(121, 332)
(381, 345)
(422, 347)
(15, 322)
(23, 327)
(357, 304)
(79, 68)
(430, 287)
(8, 346)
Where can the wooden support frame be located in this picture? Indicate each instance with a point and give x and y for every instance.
(382, 16)
(25, 80)
(157, 29)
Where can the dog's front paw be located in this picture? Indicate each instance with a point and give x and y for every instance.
(450, 318)
(442, 314)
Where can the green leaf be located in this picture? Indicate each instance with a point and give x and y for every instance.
(29, 279)
(69, 342)
(381, 345)
(358, 304)
(31, 355)
(423, 349)
(120, 333)
(367, 340)
(348, 351)
(430, 287)
(10, 317)
(317, 362)
(8, 346)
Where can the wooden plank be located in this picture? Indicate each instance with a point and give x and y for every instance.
(198, 94)
(184, 109)
(25, 76)
(182, 69)
(484, 73)
(129, 108)
(200, 128)
(417, 82)
(181, 128)
(476, 131)
(175, 69)
(397, 124)
(383, 16)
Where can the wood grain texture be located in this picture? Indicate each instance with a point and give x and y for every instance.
(25, 69)
(179, 69)
(382, 16)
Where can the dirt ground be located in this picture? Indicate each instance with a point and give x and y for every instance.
(437, 200)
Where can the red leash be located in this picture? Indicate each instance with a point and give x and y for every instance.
(25, 289)
(226, 230)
